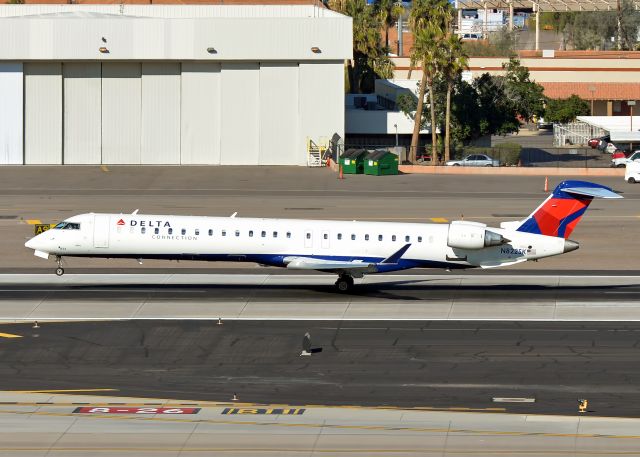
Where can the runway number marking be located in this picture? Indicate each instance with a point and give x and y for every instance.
(265, 411)
(116, 410)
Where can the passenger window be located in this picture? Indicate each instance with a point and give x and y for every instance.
(237, 232)
(250, 232)
(263, 234)
(197, 231)
(308, 235)
(275, 234)
(183, 231)
(288, 234)
(224, 233)
(156, 230)
(379, 237)
(325, 236)
(170, 231)
(419, 239)
(143, 230)
(339, 236)
(393, 237)
(407, 238)
(353, 237)
(366, 237)
(210, 232)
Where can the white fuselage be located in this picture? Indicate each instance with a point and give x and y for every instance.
(272, 241)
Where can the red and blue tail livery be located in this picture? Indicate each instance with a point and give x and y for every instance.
(559, 214)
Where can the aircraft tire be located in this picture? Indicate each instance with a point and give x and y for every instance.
(59, 271)
(344, 284)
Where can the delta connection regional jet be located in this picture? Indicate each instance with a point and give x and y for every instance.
(348, 249)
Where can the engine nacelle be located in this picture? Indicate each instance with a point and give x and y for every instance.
(472, 235)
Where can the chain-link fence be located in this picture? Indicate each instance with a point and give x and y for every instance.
(503, 156)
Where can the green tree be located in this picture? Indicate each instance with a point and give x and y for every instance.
(369, 58)
(455, 62)
(430, 20)
(525, 95)
(566, 110)
(388, 11)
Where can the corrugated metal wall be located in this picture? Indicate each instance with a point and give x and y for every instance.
(200, 113)
(121, 112)
(169, 112)
(82, 113)
(279, 115)
(160, 113)
(43, 113)
(11, 113)
(240, 126)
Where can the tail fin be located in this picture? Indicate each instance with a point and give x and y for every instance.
(559, 214)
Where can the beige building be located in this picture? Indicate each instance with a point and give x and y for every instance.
(607, 79)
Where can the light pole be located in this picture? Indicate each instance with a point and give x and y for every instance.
(631, 104)
(592, 89)
(396, 126)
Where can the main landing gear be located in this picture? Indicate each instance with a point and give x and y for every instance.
(59, 270)
(344, 283)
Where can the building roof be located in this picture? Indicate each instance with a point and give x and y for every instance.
(593, 91)
(545, 5)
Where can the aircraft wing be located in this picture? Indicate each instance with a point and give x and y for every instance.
(347, 266)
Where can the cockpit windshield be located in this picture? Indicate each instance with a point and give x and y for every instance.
(64, 225)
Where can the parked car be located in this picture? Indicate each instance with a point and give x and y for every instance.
(594, 142)
(620, 160)
(542, 124)
(632, 173)
(475, 160)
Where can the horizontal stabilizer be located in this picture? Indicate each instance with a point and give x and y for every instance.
(393, 258)
(596, 192)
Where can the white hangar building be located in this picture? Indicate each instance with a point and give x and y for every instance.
(169, 84)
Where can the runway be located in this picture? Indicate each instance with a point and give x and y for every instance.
(447, 365)
(307, 297)
(47, 424)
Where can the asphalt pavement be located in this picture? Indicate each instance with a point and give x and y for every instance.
(403, 364)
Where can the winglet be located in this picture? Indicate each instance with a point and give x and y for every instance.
(393, 258)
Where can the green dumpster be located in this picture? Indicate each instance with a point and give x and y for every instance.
(380, 163)
(352, 161)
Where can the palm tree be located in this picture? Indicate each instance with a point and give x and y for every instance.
(388, 11)
(429, 20)
(456, 61)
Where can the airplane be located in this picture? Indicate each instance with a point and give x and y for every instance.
(349, 249)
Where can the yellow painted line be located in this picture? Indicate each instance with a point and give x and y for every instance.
(440, 220)
(104, 168)
(33, 221)
(59, 391)
(9, 335)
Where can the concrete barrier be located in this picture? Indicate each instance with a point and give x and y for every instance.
(510, 171)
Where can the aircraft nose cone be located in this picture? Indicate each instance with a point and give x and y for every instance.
(570, 246)
(31, 244)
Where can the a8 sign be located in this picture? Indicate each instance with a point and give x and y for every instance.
(129, 410)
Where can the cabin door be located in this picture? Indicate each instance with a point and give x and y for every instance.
(101, 231)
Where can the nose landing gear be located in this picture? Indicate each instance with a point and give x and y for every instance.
(59, 270)
(344, 283)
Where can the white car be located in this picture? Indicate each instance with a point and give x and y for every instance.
(632, 173)
(475, 160)
(625, 161)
